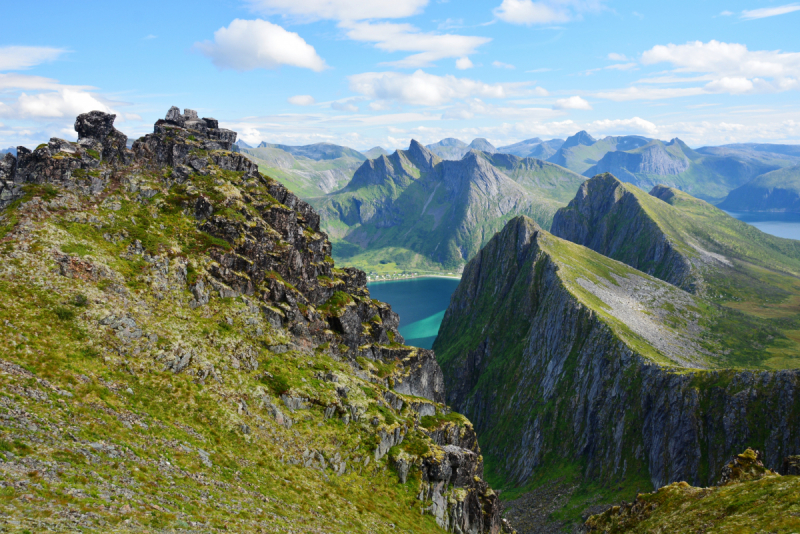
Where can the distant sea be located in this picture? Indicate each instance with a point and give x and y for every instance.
(778, 224)
(420, 302)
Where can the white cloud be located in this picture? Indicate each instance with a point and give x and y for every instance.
(464, 63)
(724, 59)
(258, 44)
(765, 12)
(149, 37)
(302, 100)
(731, 67)
(529, 12)
(344, 106)
(67, 102)
(623, 126)
(340, 9)
(421, 88)
(736, 85)
(501, 65)
(24, 57)
(617, 57)
(25, 82)
(726, 13)
(622, 66)
(573, 102)
(649, 93)
(430, 47)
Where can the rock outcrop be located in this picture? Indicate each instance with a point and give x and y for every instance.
(748, 494)
(181, 230)
(562, 357)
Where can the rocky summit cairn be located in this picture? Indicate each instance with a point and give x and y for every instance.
(744, 467)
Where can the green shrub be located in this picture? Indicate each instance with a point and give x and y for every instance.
(65, 314)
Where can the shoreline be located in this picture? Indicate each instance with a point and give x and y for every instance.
(370, 280)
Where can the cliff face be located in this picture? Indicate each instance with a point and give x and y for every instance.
(174, 287)
(608, 218)
(570, 370)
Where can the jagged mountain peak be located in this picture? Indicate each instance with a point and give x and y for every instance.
(421, 156)
(580, 138)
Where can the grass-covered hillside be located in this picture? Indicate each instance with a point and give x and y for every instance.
(674, 164)
(310, 171)
(589, 381)
(179, 353)
(750, 498)
(415, 211)
(775, 191)
(696, 246)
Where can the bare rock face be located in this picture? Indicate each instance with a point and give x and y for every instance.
(544, 379)
(593, 219)
(97, 127)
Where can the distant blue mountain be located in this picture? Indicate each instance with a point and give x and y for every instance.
(9, 150)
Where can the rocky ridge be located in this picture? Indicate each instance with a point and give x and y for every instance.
(609, 390)
(415, 209)
(198, 299)
(682, 240)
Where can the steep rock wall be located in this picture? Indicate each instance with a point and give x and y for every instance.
(606, 218)
(547, 382)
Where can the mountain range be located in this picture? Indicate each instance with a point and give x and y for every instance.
(415, 210)
(181, 350)
(649, 344)
(774, 191)
(311, 170)
(325, 175)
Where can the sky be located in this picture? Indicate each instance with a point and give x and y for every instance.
(381, 72)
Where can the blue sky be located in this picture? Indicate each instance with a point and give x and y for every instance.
(382, 72)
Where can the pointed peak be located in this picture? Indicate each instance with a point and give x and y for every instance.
(420, 155)
(580, 138)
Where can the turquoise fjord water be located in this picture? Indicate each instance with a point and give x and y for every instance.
(420, 302)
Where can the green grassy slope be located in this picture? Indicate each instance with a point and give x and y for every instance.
(139, 393)
(760, 501)
(774, 191)
(308, 177)
(727, 260)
